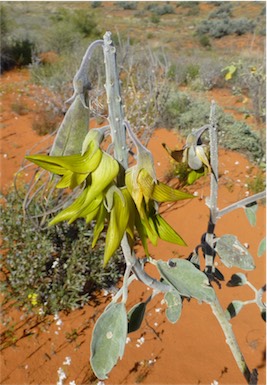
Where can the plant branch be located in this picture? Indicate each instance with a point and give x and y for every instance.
(242, 203)
(251, 378)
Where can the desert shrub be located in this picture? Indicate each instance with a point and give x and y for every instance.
(204, 41)
(257, 183)
(160, 10)
(222, 11)
(154, 18)
(243, 25)
(85, 23)
(131, 5)
(188, 4)
(185, 113)
(61, 38)
(192, 71)
(96, 4)
(16, 53)
(223, 27)
(57, 267)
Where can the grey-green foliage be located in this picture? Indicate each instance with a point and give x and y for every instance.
(130, 5)
(185, 113)
(57, 264)
(233, 253)
(72, 131)
(186, 279)
(218, 28)
(251, 212)
(174, 306)
(109, 339)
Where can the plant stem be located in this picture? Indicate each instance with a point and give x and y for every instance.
(216, 306)
(230, 339)
(118, 135)
(242, 203)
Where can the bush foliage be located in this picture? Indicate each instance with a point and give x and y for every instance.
(57, 267)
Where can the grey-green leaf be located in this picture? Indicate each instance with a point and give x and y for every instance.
(109, 339)
(233, 253)
(251, 214)
(233, 309)
(184, 277)
(72, 131)
(262, 247)
(136, 316)
(174, 303)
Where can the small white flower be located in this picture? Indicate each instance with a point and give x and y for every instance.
(59, 322)
(72, 383)
(140, 341)
(156, 324)
(55, 263)
(61, 376)
(67, 361)
(100, 383)
(195, 193)
(226, 172)
(237, 162)
(158, 309)
(128, 339)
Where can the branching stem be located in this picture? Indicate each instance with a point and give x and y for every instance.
(216, 306)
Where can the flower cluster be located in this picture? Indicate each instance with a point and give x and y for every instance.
(130, 207)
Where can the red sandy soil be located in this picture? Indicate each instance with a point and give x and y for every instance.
(193, 351)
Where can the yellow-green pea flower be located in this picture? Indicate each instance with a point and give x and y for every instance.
(118, 223)
(74, 169)
(92, 195)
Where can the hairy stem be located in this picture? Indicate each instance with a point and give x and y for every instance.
(230, 339)
(242, 203)
(216, 306)
(118, 134)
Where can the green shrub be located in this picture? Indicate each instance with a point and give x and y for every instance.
(85, 23)
(154, 18)
(204, 41)
(16, 53)
(55, 269)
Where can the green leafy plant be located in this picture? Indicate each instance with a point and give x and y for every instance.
(56, 269)
(106, 191)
